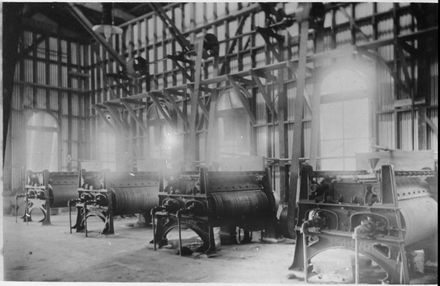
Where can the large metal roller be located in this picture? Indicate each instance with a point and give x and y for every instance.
(383, 215)
(237, 194)
(134, 192)
(419, 210)
(62, 188)
(242, 203)
(112, 194)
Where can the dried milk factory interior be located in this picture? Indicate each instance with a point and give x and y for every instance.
(219, 142)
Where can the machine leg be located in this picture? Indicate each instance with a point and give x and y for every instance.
(356, 260)
(153, 222)
(305, 262)
(16, 208)
(46, 220)
(85, 217)
(180, 232)
(70, 217)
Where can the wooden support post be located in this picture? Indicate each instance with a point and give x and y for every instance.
(193, 150)
(211, 155)
(316, 100)
(283, 136)
(69, 109)
(59, 100)
(297, 142)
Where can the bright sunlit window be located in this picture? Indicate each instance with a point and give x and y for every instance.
(42, 142)
(233, 125)
(344, 118)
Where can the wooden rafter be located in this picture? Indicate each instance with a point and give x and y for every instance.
(243, 95)
(116, 116)
(408, 79)
(431, 125)
(353, 23)
(102, 115)
(133, 114)
(76, 12)
(117, 13)
(179, 112)
(159, 106)
(266, 97)
(26, 51)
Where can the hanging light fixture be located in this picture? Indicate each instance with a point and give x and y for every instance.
(107, 28)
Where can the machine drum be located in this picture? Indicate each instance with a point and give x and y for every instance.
(235, 204)
(132, 200)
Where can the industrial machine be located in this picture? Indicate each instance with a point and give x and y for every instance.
(382, 215)
(110, 194)
(203, 200)
(45, 190)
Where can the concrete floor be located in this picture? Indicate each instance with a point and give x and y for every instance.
(49, 253)
(33, 252)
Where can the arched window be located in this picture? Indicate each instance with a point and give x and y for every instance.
(42, 142)
(345, 118)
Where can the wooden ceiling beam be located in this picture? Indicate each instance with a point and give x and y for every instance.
(52, 30)
(117, 12)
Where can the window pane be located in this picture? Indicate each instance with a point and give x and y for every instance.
(356, 123)
(344, 121)
(42, 142)
(332, 164)
(332, 121)
(334, 148)
(350, 164)
(353, 146)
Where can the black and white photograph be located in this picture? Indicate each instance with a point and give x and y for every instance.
(219, 142)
